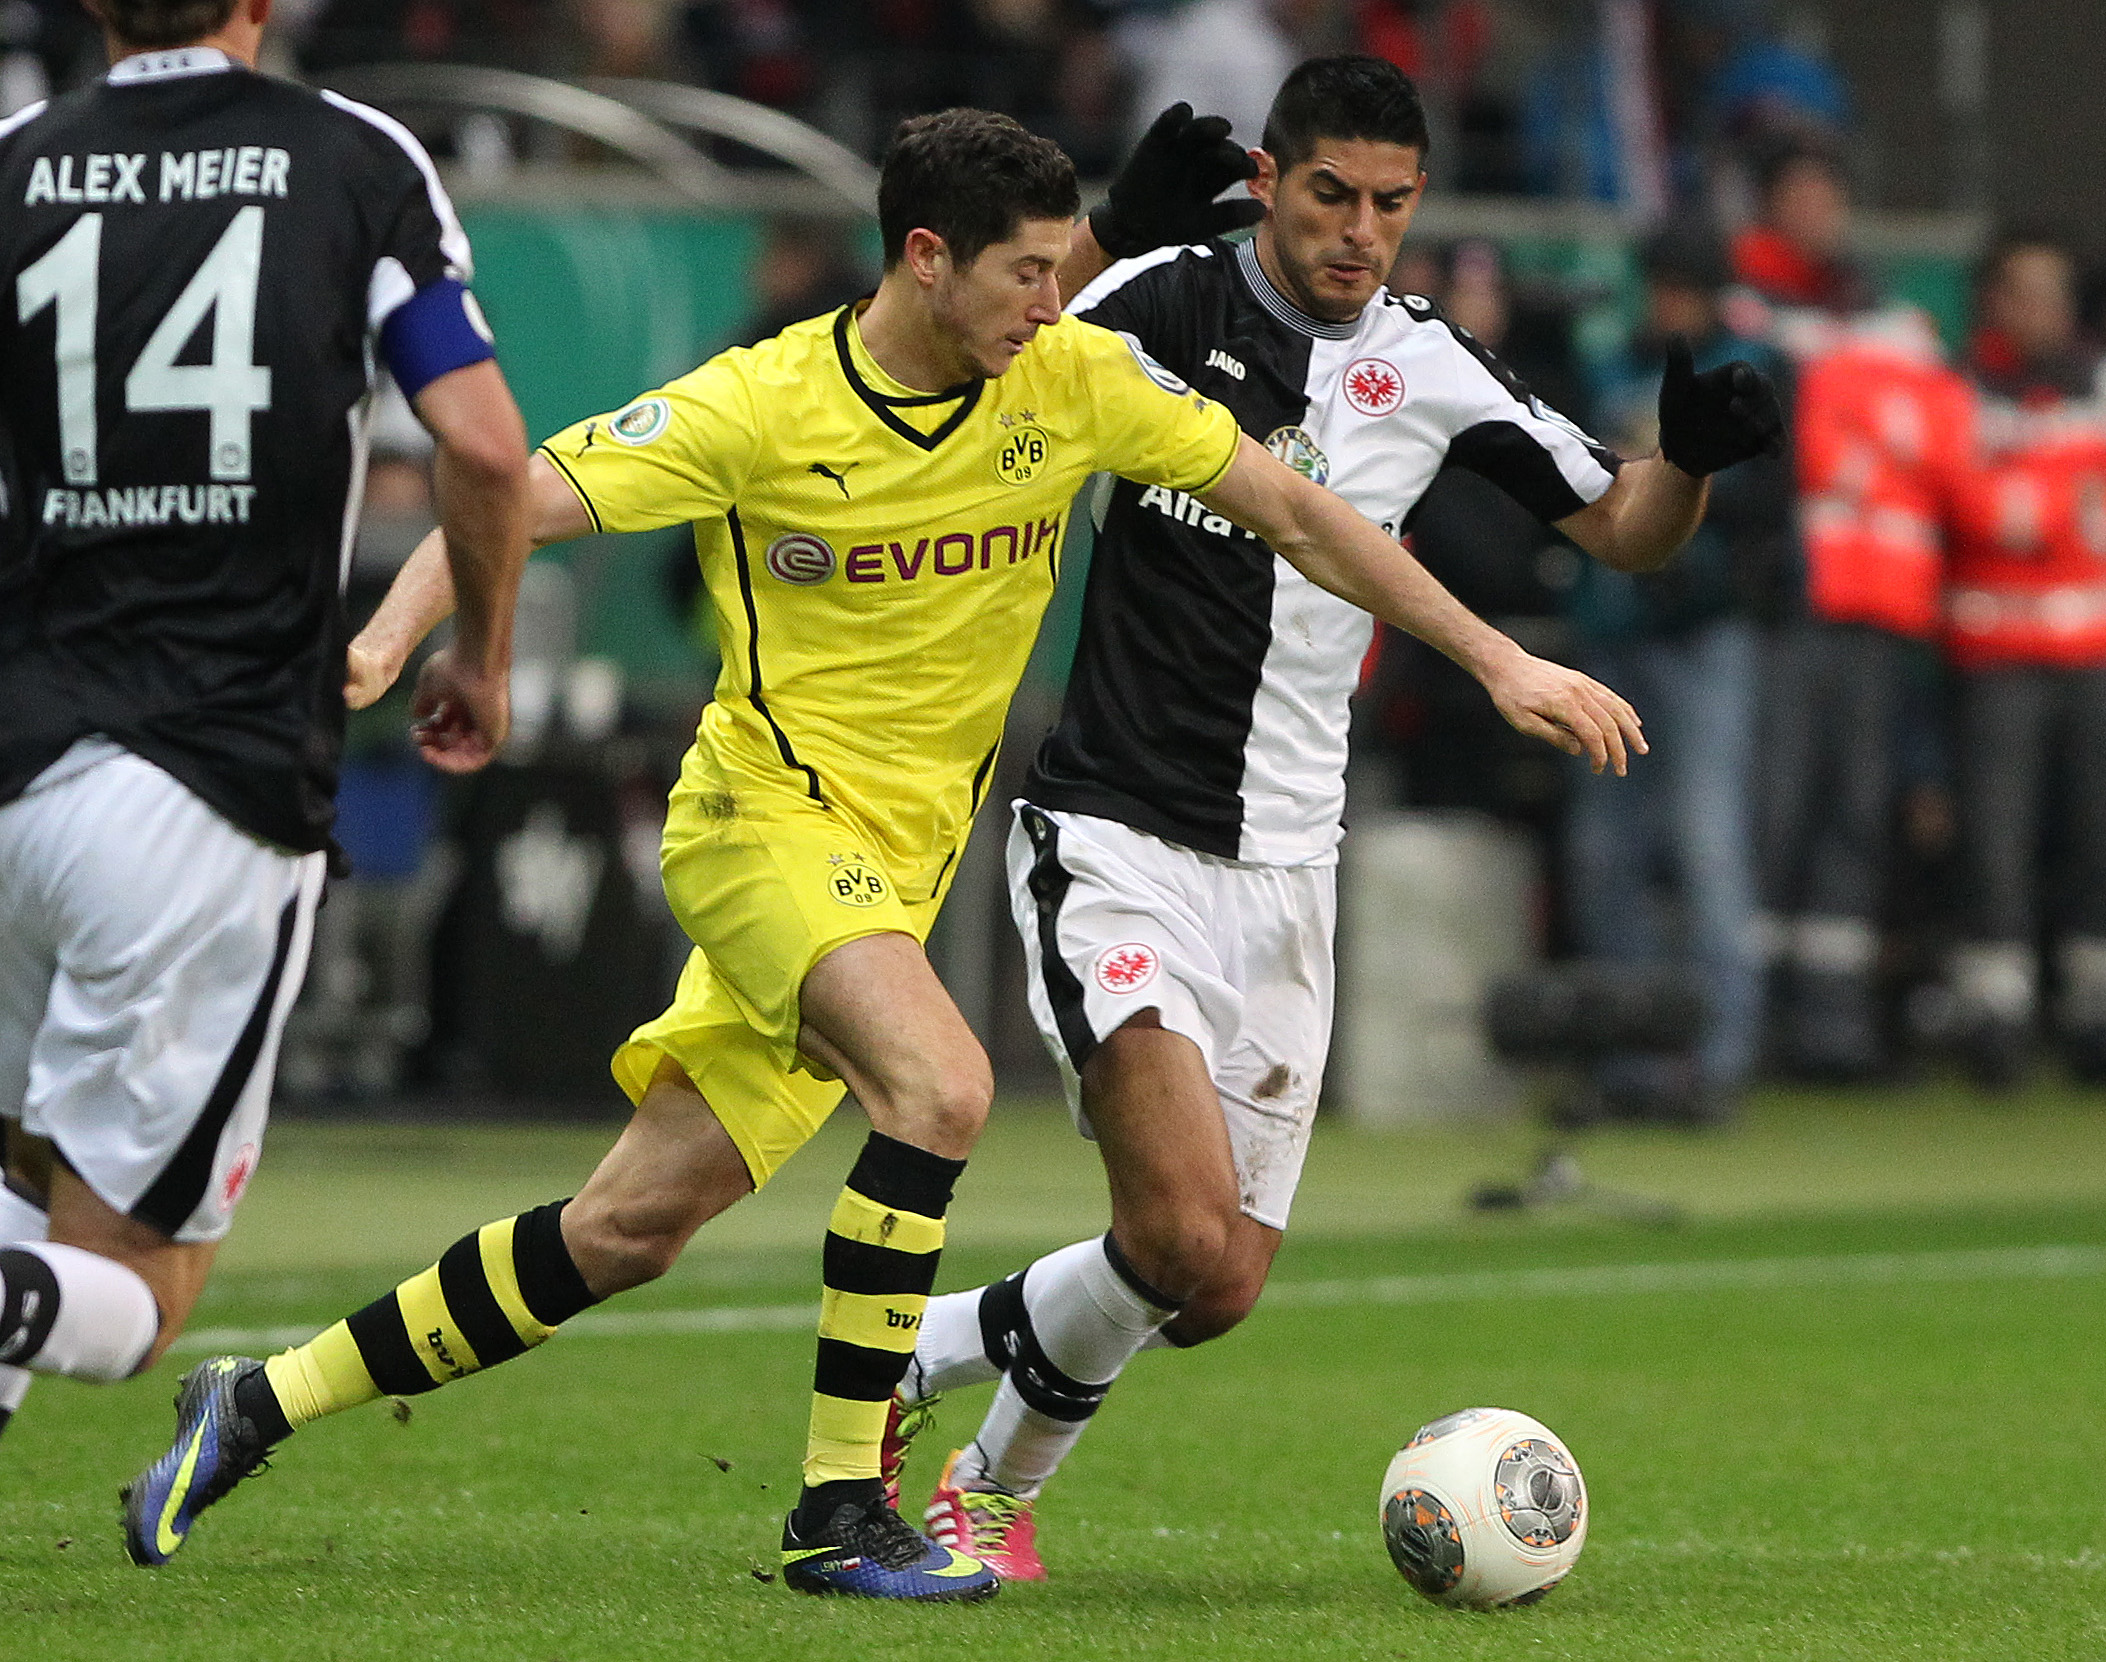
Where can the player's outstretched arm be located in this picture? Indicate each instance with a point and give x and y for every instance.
(1707, 422)
(1332, 545)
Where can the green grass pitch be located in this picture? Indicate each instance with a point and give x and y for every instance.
(1854, 1408)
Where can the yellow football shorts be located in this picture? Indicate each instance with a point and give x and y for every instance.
(766, 883)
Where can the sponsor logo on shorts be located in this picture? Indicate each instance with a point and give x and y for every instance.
(853, 883)
(800, 558)
(640, 422)
(1373, 386)
(237, 1178)
(1126, 968)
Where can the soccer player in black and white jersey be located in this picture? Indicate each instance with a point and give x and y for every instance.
(201, 264)
(1172, 861)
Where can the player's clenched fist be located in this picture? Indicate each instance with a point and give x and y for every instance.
(461, 713)
(1725, 415)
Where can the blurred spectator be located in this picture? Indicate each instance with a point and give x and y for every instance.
(804, 267)
(631, 38)
(1228, 58)
(2026, 631)
(1592, 120)
(763, 50)
(1793, 255)
(1684, 645)
(1880, 435)
(1446, 744)
(514, 34)
(46, 46)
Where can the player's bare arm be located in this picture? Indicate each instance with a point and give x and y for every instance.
(1640, 522)
(1707, 422)
(479, 475)
(1334, 547)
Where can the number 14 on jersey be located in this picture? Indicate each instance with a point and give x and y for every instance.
(230, 388)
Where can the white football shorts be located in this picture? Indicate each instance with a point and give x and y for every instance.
(149, 953)
(1235, 957)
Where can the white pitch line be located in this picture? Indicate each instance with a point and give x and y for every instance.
(2045, 1263)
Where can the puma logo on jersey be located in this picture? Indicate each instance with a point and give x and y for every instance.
(1218, 359)
(840, 478)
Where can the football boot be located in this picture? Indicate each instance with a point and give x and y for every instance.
(870, 1551)
(903, 1423)
(991, 1524)
(216, 1446)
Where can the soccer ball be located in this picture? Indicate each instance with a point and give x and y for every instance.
(1484, 1508)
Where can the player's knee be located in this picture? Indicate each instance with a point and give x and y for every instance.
(1214, 1310)
(621, 1246)
(1177, 1250)
(949, 1111)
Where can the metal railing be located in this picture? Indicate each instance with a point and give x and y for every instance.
(636, 121)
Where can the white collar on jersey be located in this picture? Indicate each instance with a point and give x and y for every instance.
(167, 66)
(1284, 309)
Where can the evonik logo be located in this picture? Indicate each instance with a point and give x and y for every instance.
(953, 553)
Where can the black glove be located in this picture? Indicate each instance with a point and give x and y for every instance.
(1165, 192)
(1720, 417)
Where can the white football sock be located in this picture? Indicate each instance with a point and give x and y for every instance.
(65, 1310)
(949, 1351)
(1077, 1322)
(20, 1220)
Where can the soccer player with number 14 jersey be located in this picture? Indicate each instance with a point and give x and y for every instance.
(202, 266)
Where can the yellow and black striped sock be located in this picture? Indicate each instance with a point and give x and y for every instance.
(881, 1250)
(491, 1296)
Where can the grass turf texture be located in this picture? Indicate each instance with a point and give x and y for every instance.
(1837, 1469)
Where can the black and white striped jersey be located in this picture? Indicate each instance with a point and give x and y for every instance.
(200, 262)
(1208, 700)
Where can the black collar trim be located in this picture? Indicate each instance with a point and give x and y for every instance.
(883, 406)
(1280, 306)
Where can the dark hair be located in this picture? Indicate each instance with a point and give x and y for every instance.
(1686, 254)
(970, 176)
(1779, 159)
(161, 23)
(1347, 97)
(2016, 239)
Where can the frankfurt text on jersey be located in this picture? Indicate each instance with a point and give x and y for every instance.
(124, 505)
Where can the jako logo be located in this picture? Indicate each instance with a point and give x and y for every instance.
(1218, 359)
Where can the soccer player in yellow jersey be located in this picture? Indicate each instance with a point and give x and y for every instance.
(878, 500)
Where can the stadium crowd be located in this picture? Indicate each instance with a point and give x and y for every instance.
(1873, 680)
(1874, 821)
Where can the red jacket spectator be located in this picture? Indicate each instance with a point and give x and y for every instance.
(1883, 439)
(2028, 560)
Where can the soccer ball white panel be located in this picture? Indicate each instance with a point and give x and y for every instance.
(1484, 1507)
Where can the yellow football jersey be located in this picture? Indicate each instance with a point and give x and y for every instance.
(879, 558)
